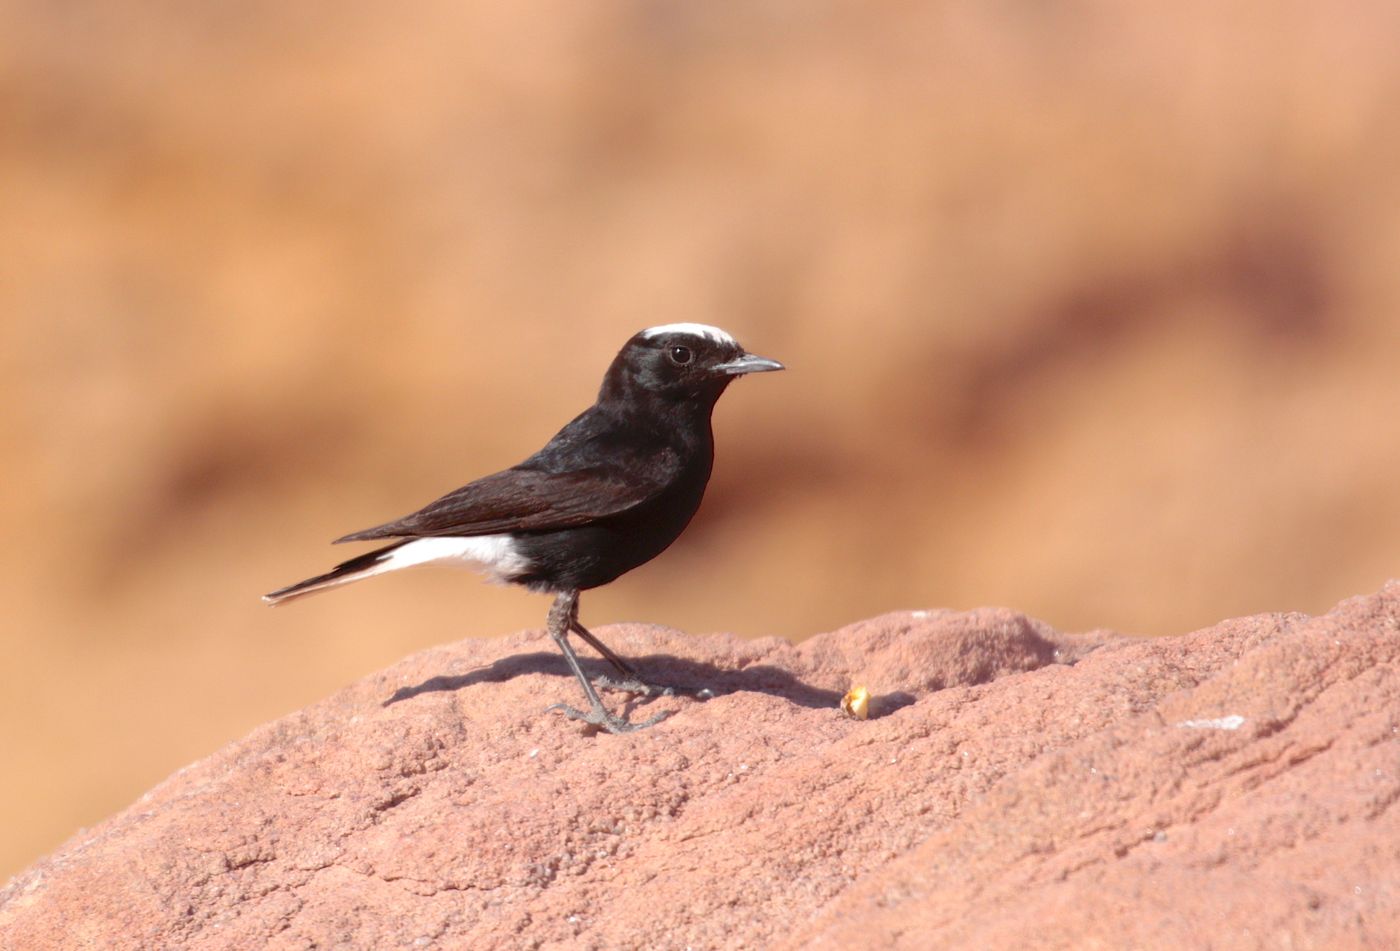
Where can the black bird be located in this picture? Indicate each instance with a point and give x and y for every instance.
(611, 491)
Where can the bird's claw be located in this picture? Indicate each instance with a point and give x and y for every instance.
(602, 718)
(641, 687)
(633, 685)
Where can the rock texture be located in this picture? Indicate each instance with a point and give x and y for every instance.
(1015, 787)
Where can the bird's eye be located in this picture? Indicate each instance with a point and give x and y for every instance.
(681, 355)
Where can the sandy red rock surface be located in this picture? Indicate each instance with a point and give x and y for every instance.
(1015, 787)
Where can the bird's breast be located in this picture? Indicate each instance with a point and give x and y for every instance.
(590, 555)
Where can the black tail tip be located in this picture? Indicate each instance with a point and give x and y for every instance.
(282, 595)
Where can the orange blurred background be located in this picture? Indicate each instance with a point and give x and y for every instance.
(1090, 309)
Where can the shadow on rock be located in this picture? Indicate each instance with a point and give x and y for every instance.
(686, 677)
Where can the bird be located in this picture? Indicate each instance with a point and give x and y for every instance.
(609, 492)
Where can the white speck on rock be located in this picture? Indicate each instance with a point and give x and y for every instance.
(1232, 722)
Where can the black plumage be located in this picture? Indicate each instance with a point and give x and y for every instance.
(612, 490)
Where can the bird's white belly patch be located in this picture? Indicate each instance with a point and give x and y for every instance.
(498, 555)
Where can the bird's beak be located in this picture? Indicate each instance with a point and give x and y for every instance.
(748, 363)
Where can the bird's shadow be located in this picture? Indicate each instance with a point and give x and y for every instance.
(688, 677)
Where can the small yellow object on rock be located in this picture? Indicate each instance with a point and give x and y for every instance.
(856, 703)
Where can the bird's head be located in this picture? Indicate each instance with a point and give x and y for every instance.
(680, 363)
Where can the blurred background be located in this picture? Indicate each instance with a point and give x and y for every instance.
(1090, 309)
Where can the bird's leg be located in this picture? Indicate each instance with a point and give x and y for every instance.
(562, 615)
(631, 681)
(627, 671)
(620, 665)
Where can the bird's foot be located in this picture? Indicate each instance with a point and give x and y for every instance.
(600, 717)
(633, 685)
(638, 686)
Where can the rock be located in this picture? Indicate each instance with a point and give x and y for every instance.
(1014, 787)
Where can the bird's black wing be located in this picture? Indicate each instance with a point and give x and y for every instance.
(530, 498)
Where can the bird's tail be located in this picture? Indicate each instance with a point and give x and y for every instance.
(357, 568)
